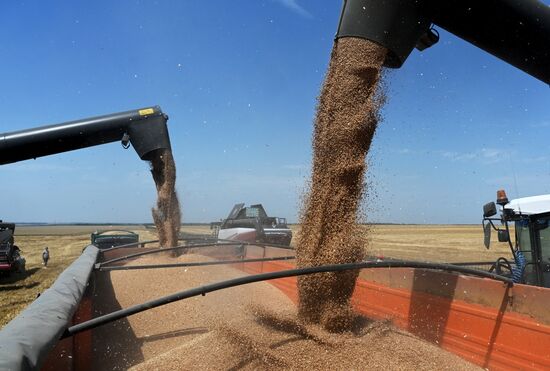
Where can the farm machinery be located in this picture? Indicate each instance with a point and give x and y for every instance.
(251, 224)
(10, 255)
(112, 238)
(145, 129)
(482, 316)
(531, 249)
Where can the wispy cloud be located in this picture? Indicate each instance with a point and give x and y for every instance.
(485, 155)
(542, 124)
(295, 7)
(295, 167)
(404, 151)
(535, 159)
(455, 156)
(31, 166)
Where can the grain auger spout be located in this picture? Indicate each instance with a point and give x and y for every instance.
(144, 128)
(517, 32)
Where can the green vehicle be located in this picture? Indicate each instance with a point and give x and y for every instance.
(112, 238)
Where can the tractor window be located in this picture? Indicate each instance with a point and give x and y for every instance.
(252, 212)
(543, 227)
(523, 237)
(544, 233)
(523, 241)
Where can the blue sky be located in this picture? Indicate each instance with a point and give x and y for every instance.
(239, 81)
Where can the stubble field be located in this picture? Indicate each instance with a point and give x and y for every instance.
(437, 243)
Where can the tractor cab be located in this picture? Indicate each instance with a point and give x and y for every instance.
(530, 219)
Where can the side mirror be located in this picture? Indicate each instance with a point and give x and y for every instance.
(503, 236)
(489, 209)
(487, 235)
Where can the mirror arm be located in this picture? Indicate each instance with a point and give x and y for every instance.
(510, 240)
(492, 224)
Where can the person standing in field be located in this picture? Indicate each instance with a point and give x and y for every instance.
(45, 256)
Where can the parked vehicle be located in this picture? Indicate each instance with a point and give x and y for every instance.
(531, 246)
(251, 224)
(112, 238)
(10, 255)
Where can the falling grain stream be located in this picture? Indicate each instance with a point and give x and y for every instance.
(167, 214)
(347, 116)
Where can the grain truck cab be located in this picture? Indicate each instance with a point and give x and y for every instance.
(530, 217)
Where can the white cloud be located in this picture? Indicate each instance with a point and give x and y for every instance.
(404, 151)
(29, 166)
(542, 124)
(534, 159)
(295, 167)
(457, 156)
(295, 7)
(492, 155)
(485, 155)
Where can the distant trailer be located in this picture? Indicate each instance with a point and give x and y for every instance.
(111, 238)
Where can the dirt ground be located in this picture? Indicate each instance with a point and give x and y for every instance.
(438, 243)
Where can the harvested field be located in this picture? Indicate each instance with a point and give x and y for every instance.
(247, 327)
(435, 243)
(423, 242)
(68, 229)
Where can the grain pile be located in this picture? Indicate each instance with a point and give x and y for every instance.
(347, 116)
(167, 214)
(247, 327)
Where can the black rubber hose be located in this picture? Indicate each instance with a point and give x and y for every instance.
(193, 264)
(188, 247)
(260, 244)
(203, 290)
(460, 264)
(181, 247)
(135, 244)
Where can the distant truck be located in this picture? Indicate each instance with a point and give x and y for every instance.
(251, 224)
(10, 255)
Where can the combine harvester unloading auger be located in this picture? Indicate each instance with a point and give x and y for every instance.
(480, 316)
(145, 129)
(517, 32)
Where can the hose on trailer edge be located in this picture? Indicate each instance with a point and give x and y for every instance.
(203, 290)
(192, 264)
